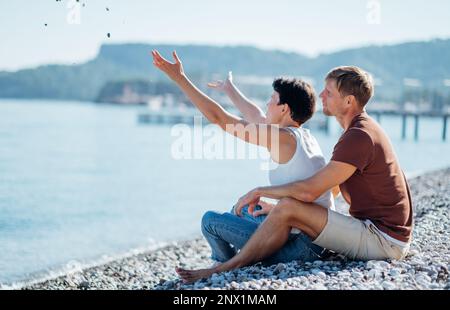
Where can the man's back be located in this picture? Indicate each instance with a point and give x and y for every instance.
(378, 190)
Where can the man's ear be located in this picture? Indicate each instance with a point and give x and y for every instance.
(287, 109)
(350, 99)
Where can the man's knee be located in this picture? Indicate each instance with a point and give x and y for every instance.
(288, 205)
(283, 209)
(289, 209)
(208, 219)
(308, 217)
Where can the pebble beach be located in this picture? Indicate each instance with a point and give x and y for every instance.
(425, 267)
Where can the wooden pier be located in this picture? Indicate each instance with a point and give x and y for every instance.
(172, 117)
(319, 121)
(377, 114)
(168, 118)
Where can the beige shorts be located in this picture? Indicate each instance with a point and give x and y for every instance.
(357, 239)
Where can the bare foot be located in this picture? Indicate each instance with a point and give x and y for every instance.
(190, 276)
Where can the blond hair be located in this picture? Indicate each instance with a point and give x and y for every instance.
(351, 80)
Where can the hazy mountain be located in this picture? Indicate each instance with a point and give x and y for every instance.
(428, 62)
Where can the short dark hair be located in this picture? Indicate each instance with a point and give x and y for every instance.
(298, 95)
(351, 80)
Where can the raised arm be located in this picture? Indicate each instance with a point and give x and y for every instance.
(307, 190)
(280, 143)
(251, 112)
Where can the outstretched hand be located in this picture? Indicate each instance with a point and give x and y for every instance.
(173, 70)
(222, 85)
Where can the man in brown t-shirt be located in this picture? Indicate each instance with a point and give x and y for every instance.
(377, 191)
(363, 168)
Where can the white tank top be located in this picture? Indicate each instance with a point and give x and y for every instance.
(307, 160)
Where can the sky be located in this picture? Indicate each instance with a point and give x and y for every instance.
(75, 32)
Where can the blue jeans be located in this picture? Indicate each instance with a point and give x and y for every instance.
(227, 233)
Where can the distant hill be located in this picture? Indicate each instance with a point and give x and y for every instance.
(428, 62)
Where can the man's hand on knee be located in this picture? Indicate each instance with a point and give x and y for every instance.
(265, 208)
(251, 199)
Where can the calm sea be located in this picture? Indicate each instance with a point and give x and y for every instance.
(82, 183)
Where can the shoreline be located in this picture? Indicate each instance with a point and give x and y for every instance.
(426, 266)
(79, 265)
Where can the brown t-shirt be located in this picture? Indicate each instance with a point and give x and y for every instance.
(378, 190)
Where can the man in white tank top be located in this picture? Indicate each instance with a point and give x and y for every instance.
(308, 157)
